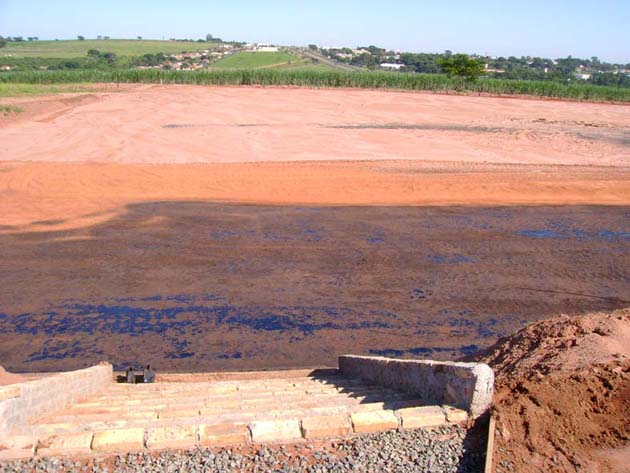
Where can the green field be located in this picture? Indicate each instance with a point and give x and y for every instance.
(75, 48)
(20, 89)
(257, 60)
(318, 78)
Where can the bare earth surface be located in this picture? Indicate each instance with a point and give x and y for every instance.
(562, 400)
(207, 228)
(192, 124)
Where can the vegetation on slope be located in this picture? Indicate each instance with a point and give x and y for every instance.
(317, 78)
(121, 47)
(18, 89)
(7, 109)
(256, 59)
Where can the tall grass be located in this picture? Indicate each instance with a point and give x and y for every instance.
(7, 109)
(319, 78)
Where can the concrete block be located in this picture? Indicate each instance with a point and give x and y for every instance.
(419, 417)
(454, 415)
(217, 408)
(56, 427)
(326, 426)
(9, 392)
(146, 415)
(18, 442)
(118, 440)
(180, 436)
(41, 396)
(275, 430)
(11, 414)
(174, 413)
(370, 407)
(467, 386)
(65, 444)
(219, 435)
(377, 421)
(13, 454)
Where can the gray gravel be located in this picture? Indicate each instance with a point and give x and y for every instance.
(440, 450)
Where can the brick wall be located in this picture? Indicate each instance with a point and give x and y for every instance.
(467, 386)
(31, 399)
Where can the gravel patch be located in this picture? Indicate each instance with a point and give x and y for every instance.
(440, 451)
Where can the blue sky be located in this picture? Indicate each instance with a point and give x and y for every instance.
(551, 28)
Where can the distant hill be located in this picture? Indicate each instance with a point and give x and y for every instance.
(120, 47)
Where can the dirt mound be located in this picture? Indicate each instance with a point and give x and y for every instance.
(562, 400)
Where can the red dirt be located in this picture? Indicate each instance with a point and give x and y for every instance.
(562, 399)
(192, 124)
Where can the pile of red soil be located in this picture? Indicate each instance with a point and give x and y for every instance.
(562, 395)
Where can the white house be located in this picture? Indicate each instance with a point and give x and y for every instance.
(583, 76)
(392, 66)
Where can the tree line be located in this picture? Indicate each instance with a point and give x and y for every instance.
(511, 67)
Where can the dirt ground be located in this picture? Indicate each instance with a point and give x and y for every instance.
(214, 228)
(193, 124)
(562, 399)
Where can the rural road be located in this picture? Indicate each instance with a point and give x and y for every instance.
(329, 62)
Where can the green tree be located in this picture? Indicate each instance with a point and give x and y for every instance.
(81, 38)
(109, 57)
(461, 65)
(3, 43)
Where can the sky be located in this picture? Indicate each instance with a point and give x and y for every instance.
(547, 28)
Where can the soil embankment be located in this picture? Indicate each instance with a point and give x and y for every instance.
(562, 398)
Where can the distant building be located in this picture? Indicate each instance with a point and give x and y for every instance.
(267, 49)
(491, 69)
(392, 66)
(583, 76)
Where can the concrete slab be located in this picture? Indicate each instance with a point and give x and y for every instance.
(118, 440)
(275, 430)
(335, 426)
(377, 421)
(66, 444)
(180, 436)
(454, 415)
(419, 417)
(218, 435)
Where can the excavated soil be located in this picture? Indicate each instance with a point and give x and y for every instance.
(562, 399)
